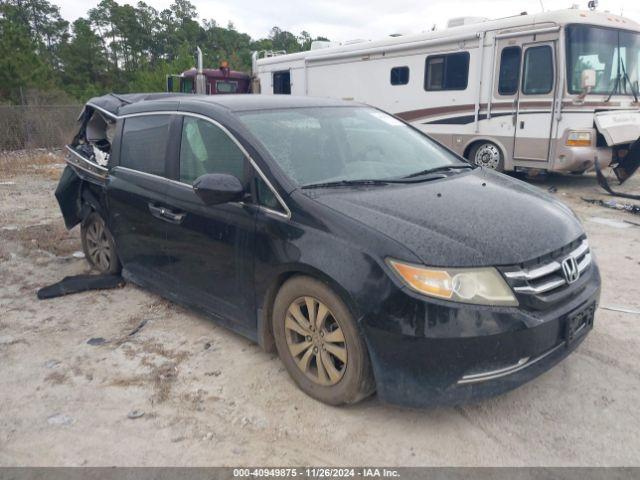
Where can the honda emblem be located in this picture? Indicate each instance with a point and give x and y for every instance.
(570, 270)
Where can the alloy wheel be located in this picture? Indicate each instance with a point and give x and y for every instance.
(98, 246)
(316, 341)
(487, 156)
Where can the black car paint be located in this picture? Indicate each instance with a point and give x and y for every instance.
(229, 260)
(474, 218)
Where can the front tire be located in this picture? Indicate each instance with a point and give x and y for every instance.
(319, 343)
(98, 245)
(488, 155)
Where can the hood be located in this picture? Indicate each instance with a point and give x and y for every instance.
(618, 127)
(478, 218)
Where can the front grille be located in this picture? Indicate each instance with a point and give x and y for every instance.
(540, 283)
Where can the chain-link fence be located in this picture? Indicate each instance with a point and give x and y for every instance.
(37, 126)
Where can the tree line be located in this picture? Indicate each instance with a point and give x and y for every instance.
(115, 48)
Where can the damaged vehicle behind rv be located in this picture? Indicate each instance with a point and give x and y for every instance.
(368, 255)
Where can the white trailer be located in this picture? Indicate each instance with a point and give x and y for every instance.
(552, 91)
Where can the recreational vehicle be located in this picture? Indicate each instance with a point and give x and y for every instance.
(554, 91)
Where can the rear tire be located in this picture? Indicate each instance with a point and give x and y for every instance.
(488, 155)
(98, 245)
(319, 343)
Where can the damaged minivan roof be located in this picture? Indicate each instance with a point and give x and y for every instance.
(112, 102)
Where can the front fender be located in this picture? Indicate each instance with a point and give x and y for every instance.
(337, 251)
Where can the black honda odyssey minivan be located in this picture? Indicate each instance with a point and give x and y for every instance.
(368, 255)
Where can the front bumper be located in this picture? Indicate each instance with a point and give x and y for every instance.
(579, 159)
(427, 353)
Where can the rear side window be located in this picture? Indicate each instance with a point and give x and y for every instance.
(282, 82)
(537, 77)
(447, 72)
(509, 77)
(399, 75)
(144, 143)
(205, 148)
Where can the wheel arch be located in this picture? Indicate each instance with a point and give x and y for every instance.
(90, 203)
(476, 140)
(265, 309)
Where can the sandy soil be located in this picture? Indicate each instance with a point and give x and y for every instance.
(210, 397)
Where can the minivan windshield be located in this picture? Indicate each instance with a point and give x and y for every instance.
(345, 144)
(613, 54)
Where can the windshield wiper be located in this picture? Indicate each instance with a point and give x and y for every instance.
(345, 183)
(438, 169)
(621, 76)
(406, 179)
(626, 77)
(616, 85)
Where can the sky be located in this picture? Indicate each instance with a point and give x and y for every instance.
(355, 19)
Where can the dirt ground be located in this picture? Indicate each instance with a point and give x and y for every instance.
(209, 397)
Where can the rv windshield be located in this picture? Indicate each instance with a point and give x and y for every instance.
(609, 52)
(345, 144)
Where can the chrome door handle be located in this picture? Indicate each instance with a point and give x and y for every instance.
(166, 214)
(172, 217)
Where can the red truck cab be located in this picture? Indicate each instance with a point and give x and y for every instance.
(218, 81)
(209, 81)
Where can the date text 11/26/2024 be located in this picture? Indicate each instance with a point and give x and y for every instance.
(312, 472)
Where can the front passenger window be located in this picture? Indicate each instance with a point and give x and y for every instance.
(205, 148)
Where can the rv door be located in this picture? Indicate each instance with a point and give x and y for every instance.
(534, 113)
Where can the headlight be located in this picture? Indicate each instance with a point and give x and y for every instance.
(579, 139)
(482, 286)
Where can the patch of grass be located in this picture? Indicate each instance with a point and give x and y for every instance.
(25, 162)
(56, 378)
(135, 381)
(53, 238)
(164, 376)
(159, 349)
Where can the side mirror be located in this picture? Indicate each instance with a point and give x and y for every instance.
(216, 188)
(588, 79)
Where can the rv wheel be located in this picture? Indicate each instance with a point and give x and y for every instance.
(487, 154)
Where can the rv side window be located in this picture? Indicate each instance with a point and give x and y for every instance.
(537, 77)
(399, 75)
(447, 72)
(509, 77)
(282, 82)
